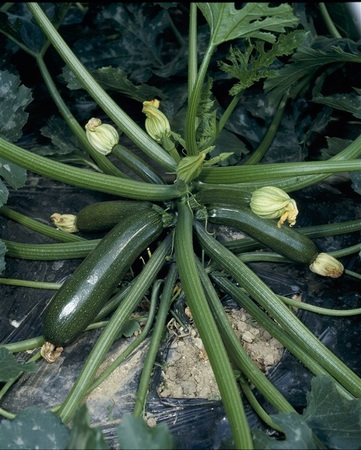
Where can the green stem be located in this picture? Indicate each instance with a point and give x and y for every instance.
(288, 340)
(320, 310)
(273, 171)
(208, 330)
(131, 347)
(195, 93)
(264, 145)
(85, 178)
(329, 22)
(117, 321)
(353, 274)
(236, 350)
(314, 231)
(39, 227)
(164, 305)
(30, 284)
(136, 164)
(7, 414)
(256, 406)
(193, 49)
(352, 151)
(23, 346)
(50, 252)
(226, 115)
(102, 161)
(268, 299)
(346, 251)
(119, 117)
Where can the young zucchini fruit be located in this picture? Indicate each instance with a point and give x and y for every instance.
(286, 241)
(81, 297)
(105, 215)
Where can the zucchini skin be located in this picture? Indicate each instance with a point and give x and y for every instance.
(81, 297)
(285, 240)
(105, 215)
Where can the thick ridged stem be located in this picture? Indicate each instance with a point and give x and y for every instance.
(207, 328)
(85, 178)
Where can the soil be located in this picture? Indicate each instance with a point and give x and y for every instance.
(188, 373)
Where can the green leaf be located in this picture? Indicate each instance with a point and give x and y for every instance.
(296, 76)
(33, 428)
(328, 421)
(115, 79)
(2, 257)
(298, 434)
(131, 36)
(134, 433)
(4, 193)
(12, 174)
(206, 112)
(345, 102)
(82, 435)
(14, 98)
(256, 20)
(334, 146)
(24, 31)
(356, 181)
(335, 420)
(253, 64)
(10, 367)
(131, 327)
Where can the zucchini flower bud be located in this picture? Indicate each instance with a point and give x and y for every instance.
(271, 202)
(327, 266)
(156, 123)
(102, 137)
(64, 222)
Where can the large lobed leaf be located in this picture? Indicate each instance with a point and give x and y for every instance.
(256, 20)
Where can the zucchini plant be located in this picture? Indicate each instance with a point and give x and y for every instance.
(196, 172)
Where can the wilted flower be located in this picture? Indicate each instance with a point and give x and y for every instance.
(270, 202)
(327, 266)
(156, 123)
(65, 222)
(102, 137)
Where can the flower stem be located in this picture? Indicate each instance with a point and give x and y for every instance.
(103, 162)
(39, 227)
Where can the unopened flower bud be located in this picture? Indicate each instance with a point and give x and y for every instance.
(270, 202)
(102, 137)
(156, 123)
(327, 266)
(65, 222)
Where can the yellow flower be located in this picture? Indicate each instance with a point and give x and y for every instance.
(156, 123)
(102, 137)
(65, 222)
(327, 266)
(270, 202)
